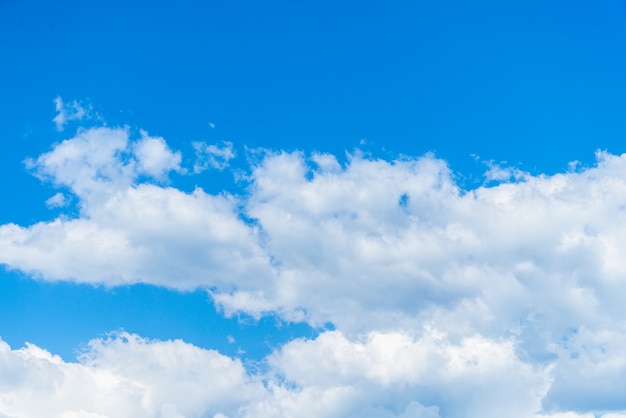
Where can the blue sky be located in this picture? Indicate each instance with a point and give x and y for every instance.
(355, 185)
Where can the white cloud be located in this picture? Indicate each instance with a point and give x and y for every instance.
(379, 376)
(58, 200)
(70, 111)
(591, 364)
(127, 229)
(474, 377)
(503, 173)
(212, 156)
(154, 156)
(92, 163)
(521, 281)
(123, 376)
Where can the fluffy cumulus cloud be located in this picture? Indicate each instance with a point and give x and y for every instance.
(123, 376)
(154, 157)
(502, 300)
(392, 368)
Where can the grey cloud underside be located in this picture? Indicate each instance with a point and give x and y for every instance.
(403, 261)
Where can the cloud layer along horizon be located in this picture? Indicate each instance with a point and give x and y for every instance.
(501, 300)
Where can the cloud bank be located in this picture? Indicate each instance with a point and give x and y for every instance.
(496, 301)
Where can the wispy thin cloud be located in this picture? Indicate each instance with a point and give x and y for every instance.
(215, 156)
(72, 111)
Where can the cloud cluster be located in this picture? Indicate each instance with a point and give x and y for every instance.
(125, 375)
(500, 300)
(379, 376)
(131, 230)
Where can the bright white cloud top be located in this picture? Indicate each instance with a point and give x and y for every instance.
(504, 300)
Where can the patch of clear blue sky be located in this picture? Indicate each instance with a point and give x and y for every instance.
(63, 317)
(533, 83)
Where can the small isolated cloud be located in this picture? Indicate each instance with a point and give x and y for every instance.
(57, 201)
(212, 156)
(70, 111)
